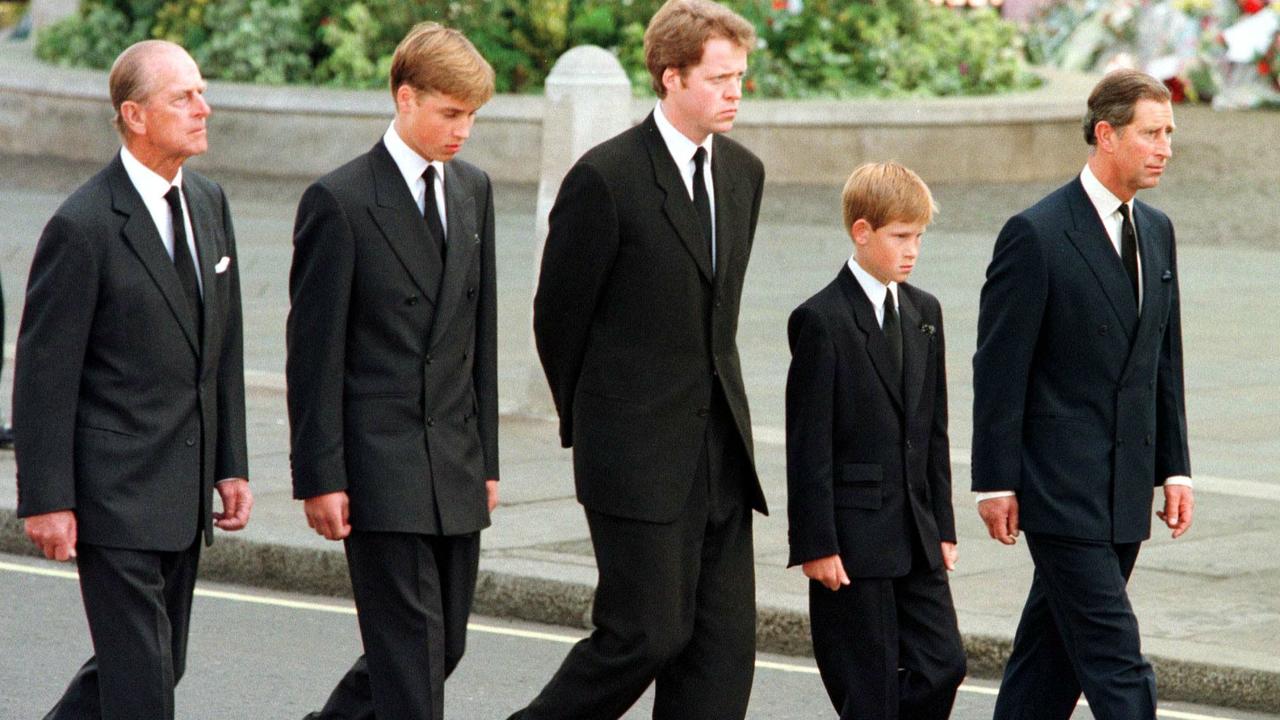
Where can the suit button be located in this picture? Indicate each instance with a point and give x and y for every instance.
(411, 300)
(1102, 329)
(430, 359)
(1161, 327)
(910, 446)
(703, 412)
(431, 422)
(465, 354)
(191, 442)
(471, 291)
(1147, 440)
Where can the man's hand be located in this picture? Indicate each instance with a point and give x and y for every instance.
(950, 554)
(237, 503)
(491, 487)
(1001, 517)
(54, 533)
(828, 570)
(1179, 503)
(327, 514)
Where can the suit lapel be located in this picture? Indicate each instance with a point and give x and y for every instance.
(401, 223)
(1092, 242)
(207, 249)
(915, 350)
(864, 314)
(678, 207)
(732, 202)
(140, 232)
(460, 213)
(1151, 263)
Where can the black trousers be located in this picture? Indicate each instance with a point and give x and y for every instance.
(674, 606)
(889, 648)
(1078, 632)
(138, 604)
(413, 597)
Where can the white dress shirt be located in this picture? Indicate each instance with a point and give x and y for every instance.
(412, 167)
(153, 189)
(874, 289)
(1108, 207)
(682, 150)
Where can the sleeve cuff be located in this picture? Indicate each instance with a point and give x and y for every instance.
(979, 497)
(1179, 480)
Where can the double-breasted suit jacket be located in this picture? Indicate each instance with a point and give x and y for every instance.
(380, 332)
(633, 325)
(124, 411)
(868, 464)
(1079, 403)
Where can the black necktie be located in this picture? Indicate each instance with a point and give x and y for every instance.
(182, 260)
(893, 332)
(701, 202)
(431, 211)
(1129, 249)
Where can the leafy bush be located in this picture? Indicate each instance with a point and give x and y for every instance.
(828, 48)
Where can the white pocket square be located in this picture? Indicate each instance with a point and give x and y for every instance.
(223, 264)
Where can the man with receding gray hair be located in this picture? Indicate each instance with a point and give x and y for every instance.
(129, 388)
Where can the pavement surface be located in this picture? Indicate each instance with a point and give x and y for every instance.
(257, 654)
(1209, 603)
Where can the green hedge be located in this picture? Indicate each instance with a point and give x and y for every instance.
(828, 49)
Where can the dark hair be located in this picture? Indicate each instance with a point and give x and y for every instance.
(1114, 97)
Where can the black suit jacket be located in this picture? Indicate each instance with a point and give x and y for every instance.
(392, 356)
(868, 459)
(632, 326)
(121, 412)
(1078, 398)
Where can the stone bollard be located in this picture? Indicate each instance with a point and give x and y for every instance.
(588, 101)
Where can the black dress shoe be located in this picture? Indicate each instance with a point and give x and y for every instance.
(6, 438)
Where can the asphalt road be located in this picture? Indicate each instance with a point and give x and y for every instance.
(255, 654)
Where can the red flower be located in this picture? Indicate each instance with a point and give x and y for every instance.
(1264, 68)
(1248, 7)
(782, 4)
(1176, 88)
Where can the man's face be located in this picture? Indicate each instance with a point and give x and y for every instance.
(704, 98)
(434, 125)
(170, 122)
(1138, 152)
(889, 252)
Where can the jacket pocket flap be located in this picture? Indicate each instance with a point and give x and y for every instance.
(861, 473)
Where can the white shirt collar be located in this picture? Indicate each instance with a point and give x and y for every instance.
(1104, 201)
(146, 181)
(411, 164)
(873, 287)
(680, 147)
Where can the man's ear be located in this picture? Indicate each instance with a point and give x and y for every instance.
(134, 117)
(860, 231)
(405, 96)
(1105, 134)
(672, 78)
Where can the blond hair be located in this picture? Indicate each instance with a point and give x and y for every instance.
(434, 58)
(680, 28)
(886, 192)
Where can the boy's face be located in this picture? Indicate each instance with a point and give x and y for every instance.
(889, 252)
(434, 125)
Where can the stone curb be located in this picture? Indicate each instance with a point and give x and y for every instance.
(568, 604)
